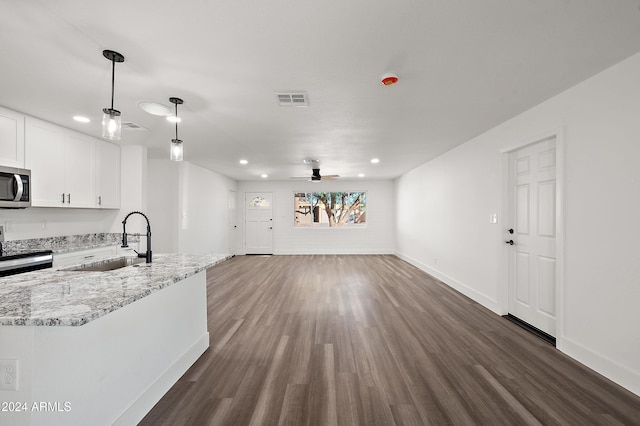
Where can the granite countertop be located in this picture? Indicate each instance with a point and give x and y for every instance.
(68, 243)
(60, 297)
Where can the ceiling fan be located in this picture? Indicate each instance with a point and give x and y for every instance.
(315, 173)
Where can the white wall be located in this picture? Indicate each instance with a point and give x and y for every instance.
(452, 196)
(133, 190)
(376, 237)
(162, 202)
(190, 208)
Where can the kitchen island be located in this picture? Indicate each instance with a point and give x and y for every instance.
(101, 347)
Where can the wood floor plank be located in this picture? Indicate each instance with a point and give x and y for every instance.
(372, 340)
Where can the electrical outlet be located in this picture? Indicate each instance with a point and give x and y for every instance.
(9, 374)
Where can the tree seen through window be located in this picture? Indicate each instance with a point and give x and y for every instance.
(330, 209)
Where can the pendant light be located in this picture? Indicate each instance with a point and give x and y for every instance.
(176, 144)
(111, 120)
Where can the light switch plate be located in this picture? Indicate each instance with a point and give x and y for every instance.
(493, 218)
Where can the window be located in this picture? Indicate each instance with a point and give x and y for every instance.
(330, 209)
(259, 202)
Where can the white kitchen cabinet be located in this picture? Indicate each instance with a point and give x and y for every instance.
(83, 256)
(11, 138)
(79, 175)
(107, 194)
(62, 165)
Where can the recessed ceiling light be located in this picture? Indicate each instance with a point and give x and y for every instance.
(375, 160)
(243, 162)
(155, 108)
(361, 175)
(81, 119)
(264, 176)
(174, 119)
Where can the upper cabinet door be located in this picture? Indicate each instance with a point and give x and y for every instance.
(45, 146)
(79, 170)
(11, 138)
(107, 175)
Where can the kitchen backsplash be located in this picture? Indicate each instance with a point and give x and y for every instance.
(67, 242)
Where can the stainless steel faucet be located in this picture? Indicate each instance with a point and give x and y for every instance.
(146, 255)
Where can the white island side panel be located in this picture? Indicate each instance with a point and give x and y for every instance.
(115, 368)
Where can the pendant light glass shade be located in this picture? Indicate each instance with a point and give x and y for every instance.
(111, 124)
(177, 149)
(111, 119)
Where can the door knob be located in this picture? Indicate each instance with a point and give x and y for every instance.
(510, 242)
(510, 230)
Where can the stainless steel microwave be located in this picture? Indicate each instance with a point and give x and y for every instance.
(15, 188)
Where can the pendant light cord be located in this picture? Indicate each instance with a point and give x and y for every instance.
(113, 80)
(176, 121)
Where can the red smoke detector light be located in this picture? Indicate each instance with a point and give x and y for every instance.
(389, 79)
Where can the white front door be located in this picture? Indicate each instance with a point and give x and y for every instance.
(258, 223)
(532, 257)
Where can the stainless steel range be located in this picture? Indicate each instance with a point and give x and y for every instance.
(16, 261)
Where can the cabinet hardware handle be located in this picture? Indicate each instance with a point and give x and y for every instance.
(69, 198)
(99, 200)
(63, 198)
(510, 242)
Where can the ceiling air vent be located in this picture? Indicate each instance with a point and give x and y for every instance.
(130, 125)
(292, 99)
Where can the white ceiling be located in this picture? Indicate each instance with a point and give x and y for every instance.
(464, 67)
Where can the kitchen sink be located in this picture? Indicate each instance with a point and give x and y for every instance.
(109, 265)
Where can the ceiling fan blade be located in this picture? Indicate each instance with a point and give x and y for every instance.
(299, 178)
(330, 177)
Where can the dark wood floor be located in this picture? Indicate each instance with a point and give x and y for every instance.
(371, 340)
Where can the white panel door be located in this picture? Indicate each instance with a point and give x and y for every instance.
(232, 218)
(258, 223)
(532, 257)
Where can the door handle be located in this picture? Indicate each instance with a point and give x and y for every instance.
(510, 242)
(271, 227)
(19, 188)
(510, 230)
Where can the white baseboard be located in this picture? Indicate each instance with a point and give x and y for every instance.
(326, 251)
(156, 391)
(482, 299)
(613, 371)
